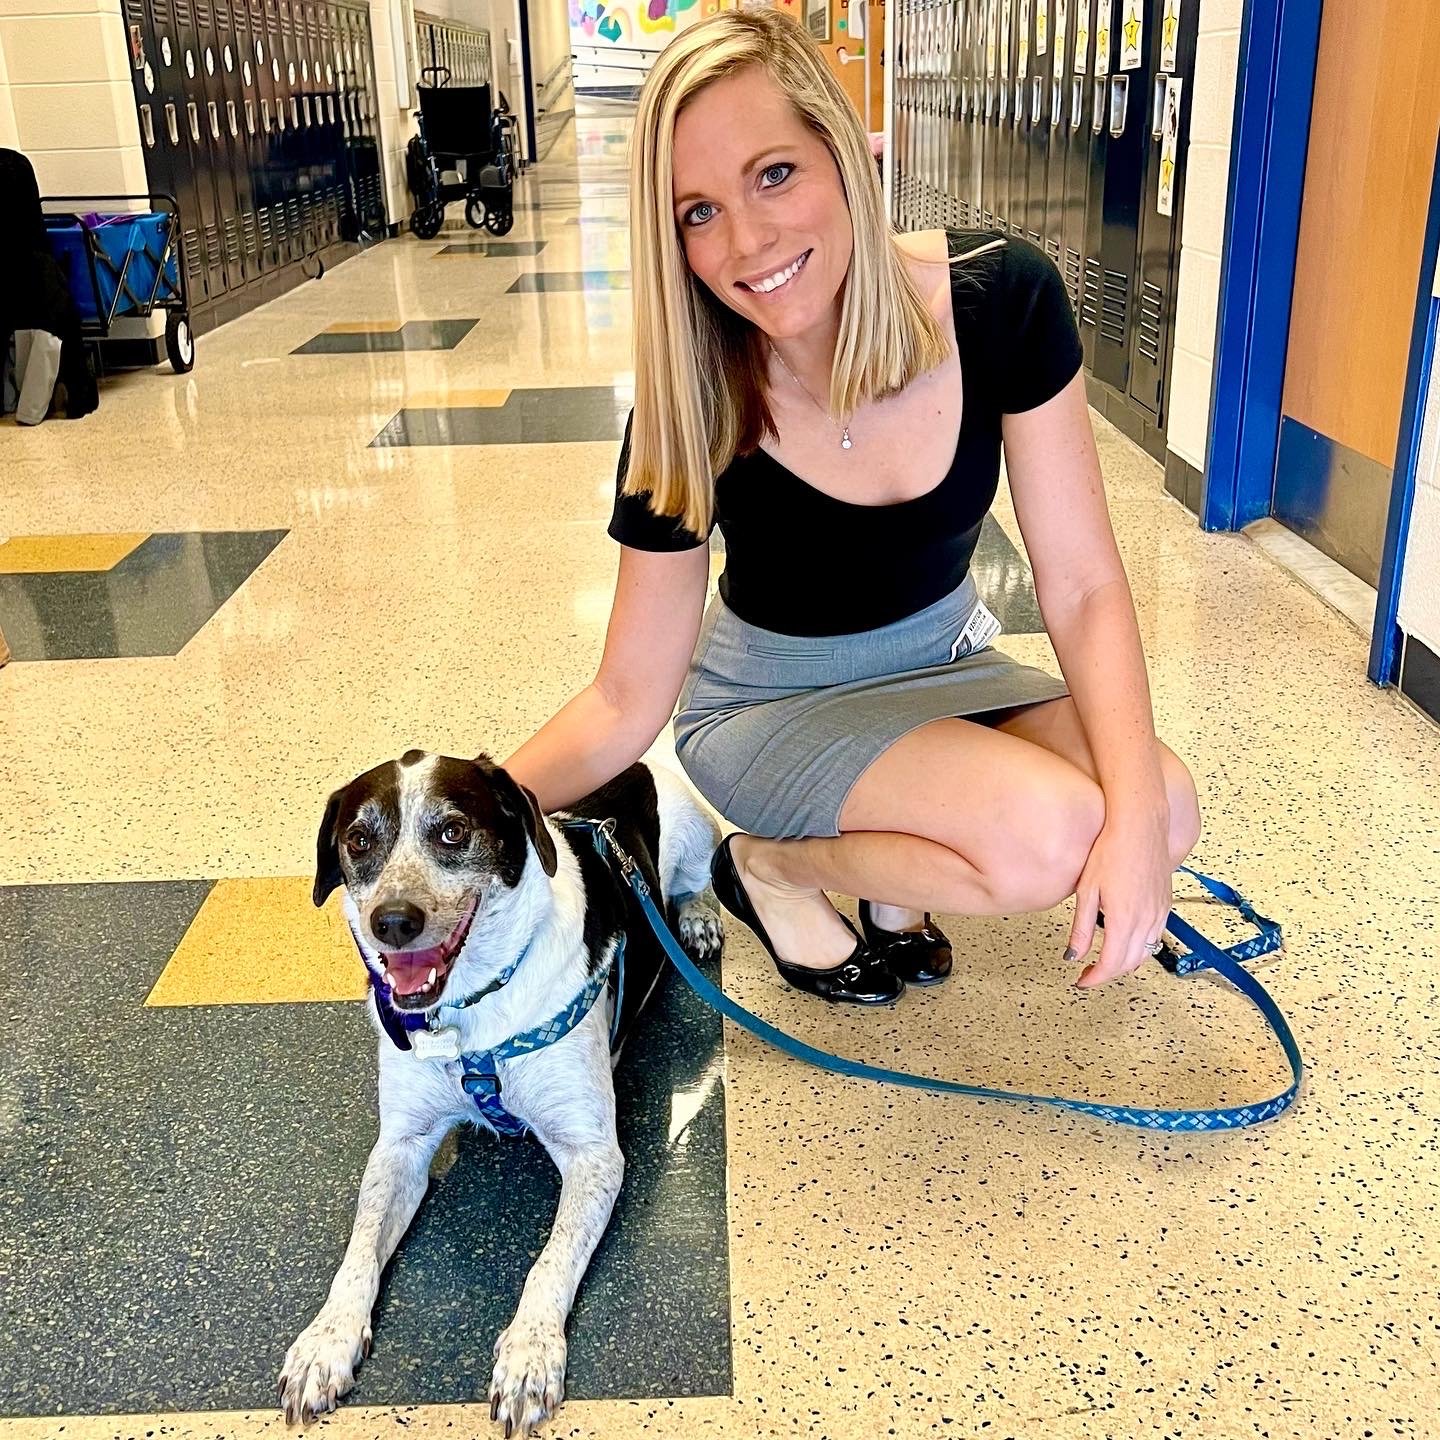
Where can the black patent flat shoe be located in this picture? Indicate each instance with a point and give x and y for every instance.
(863, 979)
(918, 957)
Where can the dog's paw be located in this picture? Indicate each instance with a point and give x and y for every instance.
(702, 932)
(320, 1366)
(529, 1378)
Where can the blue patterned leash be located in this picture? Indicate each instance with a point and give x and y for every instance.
(1202, 955)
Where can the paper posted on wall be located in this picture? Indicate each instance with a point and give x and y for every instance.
(1169, 144)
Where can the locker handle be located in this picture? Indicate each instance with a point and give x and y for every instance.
(1119, 103)
(1157, 117)
(1077, 103)
(148, 125)
(1097, 108)
(172, 124)
(194, 121)
(1037, 100)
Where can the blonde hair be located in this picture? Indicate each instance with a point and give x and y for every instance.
(699, 367)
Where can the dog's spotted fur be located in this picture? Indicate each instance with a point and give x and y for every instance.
(435, 834)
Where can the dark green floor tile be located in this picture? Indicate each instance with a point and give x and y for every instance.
(152, 603)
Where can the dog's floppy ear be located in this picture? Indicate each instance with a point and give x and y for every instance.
(520, 801)
(539, 835)
(327, 852)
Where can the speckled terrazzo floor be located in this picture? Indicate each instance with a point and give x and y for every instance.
(897, 1263)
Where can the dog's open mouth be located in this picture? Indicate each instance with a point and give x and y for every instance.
(416, 977)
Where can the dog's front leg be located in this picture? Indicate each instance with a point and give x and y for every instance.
(320, 1365)
(529, 1377)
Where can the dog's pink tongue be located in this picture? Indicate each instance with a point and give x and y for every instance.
(409, 971)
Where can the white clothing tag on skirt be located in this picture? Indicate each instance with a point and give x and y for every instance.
(980, 630)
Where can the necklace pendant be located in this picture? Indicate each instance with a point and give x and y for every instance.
(845, 441)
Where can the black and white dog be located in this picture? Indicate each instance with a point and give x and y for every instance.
(487, 929)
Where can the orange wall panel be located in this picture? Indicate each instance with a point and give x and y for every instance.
(1373, 130)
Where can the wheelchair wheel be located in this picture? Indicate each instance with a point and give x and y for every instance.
(426, 221)
(476, 214)
(499, 222)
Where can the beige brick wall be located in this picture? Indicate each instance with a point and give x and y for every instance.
(1202, 228)
(66, 98)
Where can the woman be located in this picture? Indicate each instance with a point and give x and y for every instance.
(836, 398)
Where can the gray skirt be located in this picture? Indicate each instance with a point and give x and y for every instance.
(774, 730)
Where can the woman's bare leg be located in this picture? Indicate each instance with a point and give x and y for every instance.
(957, 817)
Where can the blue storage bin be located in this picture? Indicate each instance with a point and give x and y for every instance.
(136, 239)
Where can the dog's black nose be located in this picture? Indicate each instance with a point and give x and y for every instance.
(398, 923)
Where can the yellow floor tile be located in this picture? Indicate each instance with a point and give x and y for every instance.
(455, 399)
(363, 327)
(50, 554)
(261, 942)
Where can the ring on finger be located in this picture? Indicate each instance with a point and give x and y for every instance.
(1154, 947)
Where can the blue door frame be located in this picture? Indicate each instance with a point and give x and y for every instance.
(1279, 42)
(1279, 45)
(1384, 667)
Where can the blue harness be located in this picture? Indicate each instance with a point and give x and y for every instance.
(480, 1069)
(480, 1077)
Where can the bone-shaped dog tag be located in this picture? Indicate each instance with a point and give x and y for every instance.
(436, 1044)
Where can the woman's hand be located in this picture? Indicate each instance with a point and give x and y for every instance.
(1128, 876)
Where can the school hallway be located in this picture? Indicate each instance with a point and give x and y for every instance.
(373, 518)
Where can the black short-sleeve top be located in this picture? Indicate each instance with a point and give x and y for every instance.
(801, 562)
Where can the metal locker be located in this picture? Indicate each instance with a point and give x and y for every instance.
(1037, 123)
(1079, 142)
(199, 148)
(1127, 131)
(1159, 242)
(1057, 122)
(1004, 134)
(164, 172)
(1019, 117)
(990, 124)
(212, 33)
(269, 52)
(238, 59)
(954, 133)
(1092, 290)
(328, 120)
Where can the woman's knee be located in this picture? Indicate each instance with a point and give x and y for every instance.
(1036, 863)
(1185, 820)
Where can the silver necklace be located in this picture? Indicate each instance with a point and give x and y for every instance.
(845, 440)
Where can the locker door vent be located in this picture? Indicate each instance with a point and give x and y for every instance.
(294, 216)
(1052, 249)
(194, 265)
(202, 13)
(1150, 310)
(1072, 276)
(232, 240)
(249, 228)
(1115, 307)
(183, 18)
(267, 231)
(212, 243)
(1036, 239)
(1090, 301)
